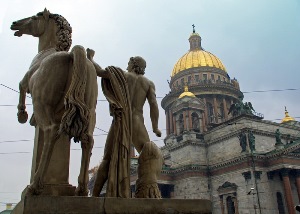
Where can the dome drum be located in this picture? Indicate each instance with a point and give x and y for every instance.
(196, 74)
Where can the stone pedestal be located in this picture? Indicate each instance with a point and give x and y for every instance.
(57, 176)
(58, 170)
(92, 205)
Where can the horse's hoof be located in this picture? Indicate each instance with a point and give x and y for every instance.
(33, 191)
(22, 116)
(81, 192)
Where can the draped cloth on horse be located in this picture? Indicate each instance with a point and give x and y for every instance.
(116, 92)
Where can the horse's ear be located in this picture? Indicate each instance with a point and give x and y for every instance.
(46, 14)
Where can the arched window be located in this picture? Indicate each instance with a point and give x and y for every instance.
(210, 112)
(230, 205)
(280, 204)
(195, 122)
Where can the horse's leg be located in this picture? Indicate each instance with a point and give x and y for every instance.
(83, 177)
(22, 113)
(50, 138)
(24, 87)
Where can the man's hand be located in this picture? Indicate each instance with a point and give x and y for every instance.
(157, 132)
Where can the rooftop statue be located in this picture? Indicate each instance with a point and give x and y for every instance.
(63, 86)
(127, 93)
(239, 108)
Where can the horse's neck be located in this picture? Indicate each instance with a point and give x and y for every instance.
(48, 39)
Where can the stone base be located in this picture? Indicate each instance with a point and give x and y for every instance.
(93, 205)
(55, 190)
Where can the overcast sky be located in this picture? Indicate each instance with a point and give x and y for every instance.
(257, 41)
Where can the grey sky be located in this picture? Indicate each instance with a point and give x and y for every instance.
(257, 41)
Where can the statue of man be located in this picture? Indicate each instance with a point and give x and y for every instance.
(140, 89)
(243, 141)
(278, 137)
(251, 141)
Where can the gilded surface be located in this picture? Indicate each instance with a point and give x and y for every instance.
(197, 58)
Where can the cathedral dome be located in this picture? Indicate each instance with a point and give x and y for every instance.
(196, 57)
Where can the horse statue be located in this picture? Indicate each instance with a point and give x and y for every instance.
(64, 91)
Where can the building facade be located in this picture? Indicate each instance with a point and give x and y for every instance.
(219, 148)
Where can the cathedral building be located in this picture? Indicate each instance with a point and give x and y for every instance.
(219, 148)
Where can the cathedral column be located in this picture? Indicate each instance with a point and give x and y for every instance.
(203, 126)
(174, 126)
(222, 204)
(184, 121)
(215, 110)
(171, 122)
(298, 183)
(287, 190)
(225, 109)
(190, 120)
(236, 207)
(167, 123)
(205, 111)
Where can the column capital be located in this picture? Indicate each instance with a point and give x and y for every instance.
(297, 173)
(284, 172)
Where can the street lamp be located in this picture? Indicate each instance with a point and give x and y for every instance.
(253, 193)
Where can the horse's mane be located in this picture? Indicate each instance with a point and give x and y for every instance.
(64, 32)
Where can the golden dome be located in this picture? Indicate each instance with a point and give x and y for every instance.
(197, 58)
(287, 117)
(186, 93)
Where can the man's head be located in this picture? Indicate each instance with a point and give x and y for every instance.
(137, 64)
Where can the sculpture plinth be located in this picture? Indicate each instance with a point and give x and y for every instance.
(95, 205)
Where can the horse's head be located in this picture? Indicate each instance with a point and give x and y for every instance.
(34, 25)
(55, 26)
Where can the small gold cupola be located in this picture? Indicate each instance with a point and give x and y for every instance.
(287, 117)
(186, 93)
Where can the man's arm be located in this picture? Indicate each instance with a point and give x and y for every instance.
(100, 72)
(154, 112)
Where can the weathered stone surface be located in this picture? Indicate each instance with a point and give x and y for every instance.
(94, 205)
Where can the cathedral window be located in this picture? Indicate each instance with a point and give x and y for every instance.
(210, 112)
(182, 82)
(221, 112)
(195, 122)
(204, 76)
(230, 205)
(197, 78)
(189, 80)
(212, 76)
